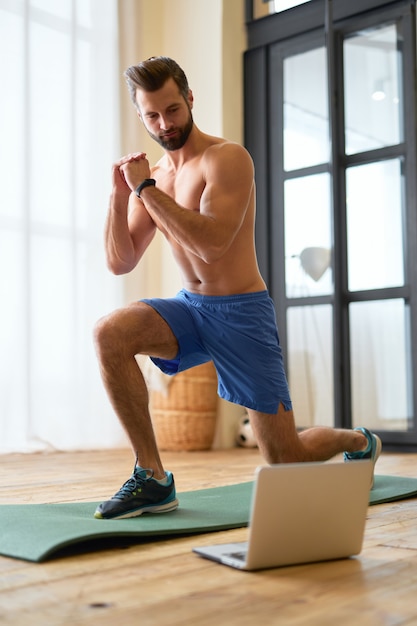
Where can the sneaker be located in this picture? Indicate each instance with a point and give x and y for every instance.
(371, 452)
(140, 494)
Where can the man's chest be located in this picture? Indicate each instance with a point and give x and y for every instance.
(185, 187)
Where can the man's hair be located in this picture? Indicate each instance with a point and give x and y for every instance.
(152, 74)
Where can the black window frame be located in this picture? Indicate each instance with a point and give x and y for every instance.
(294, 28)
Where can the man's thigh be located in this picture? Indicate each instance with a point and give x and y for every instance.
(144, 331)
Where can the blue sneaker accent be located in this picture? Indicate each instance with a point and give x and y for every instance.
(141, 493)
(372, 452)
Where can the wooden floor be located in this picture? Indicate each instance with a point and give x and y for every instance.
(163, 583)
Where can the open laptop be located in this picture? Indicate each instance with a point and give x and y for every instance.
(301, 513)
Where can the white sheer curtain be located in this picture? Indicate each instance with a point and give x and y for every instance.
(58, 137)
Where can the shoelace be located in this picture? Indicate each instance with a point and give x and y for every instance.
(138, 478)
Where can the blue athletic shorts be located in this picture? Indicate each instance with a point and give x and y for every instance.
(239, 334)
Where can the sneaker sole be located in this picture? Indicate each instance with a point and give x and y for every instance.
(157, 508)
(378, 448)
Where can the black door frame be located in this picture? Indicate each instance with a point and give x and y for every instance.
(278, 34)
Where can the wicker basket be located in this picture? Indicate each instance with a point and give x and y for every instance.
(185, 417)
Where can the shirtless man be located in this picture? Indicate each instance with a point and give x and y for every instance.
(201, 196)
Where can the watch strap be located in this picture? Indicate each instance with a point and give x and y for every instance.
(148, 182)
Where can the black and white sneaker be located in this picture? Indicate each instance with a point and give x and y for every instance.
(142, 493)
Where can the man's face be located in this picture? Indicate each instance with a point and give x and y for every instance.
(166, 115)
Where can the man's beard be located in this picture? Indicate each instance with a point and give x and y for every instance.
(176, 142)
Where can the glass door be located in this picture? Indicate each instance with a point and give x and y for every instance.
(306, 218)
(342, 217)
(376, 228)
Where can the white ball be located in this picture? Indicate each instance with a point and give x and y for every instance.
(245, 436)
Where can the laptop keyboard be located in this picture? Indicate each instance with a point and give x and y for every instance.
(239, 555)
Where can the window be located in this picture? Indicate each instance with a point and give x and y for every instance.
(59, 136)
(261, 8)
(337, 207)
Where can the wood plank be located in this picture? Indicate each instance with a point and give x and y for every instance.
(163, 583)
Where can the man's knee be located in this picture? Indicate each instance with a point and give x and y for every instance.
(103, 334)
(110, 335)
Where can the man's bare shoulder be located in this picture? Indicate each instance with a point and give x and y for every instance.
(226, 151)
(160, 166)
(220, 144)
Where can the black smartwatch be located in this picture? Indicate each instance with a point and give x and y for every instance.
(148, 182)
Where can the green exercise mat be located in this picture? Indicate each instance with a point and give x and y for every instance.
(37, 532)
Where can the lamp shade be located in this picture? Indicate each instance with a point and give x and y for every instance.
(315, 261)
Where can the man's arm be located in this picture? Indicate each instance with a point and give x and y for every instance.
(129, 228)
(228, 174)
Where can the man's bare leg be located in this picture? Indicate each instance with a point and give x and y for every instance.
(136, 329)
(279, 441)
